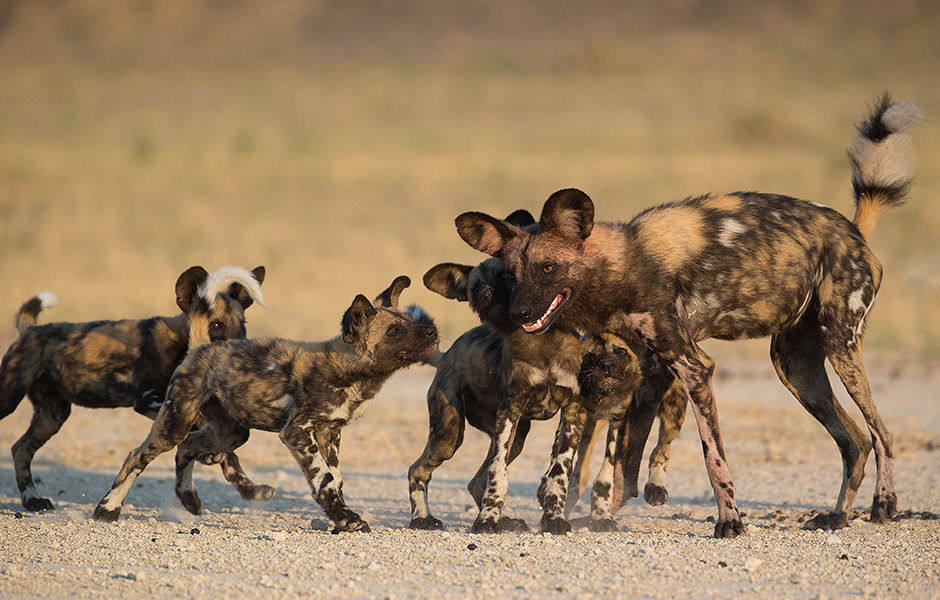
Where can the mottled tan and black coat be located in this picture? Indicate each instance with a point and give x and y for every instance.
(732, 266)
(110, 364)
(304, 391)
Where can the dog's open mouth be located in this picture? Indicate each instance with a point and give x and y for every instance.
(545, 320)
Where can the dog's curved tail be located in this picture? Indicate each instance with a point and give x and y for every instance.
(882, 159)
(29, 312)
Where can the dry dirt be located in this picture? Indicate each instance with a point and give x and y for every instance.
(785, 468)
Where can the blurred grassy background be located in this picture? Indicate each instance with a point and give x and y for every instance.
(334, 141)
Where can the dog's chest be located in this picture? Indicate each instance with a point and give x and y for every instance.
(545, 387)
(349, 404)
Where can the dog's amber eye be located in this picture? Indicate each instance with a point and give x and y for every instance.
(620, 351)
(548, 268)
(392, 330)
(216, 325)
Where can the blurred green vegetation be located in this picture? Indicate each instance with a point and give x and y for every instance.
(334, 142)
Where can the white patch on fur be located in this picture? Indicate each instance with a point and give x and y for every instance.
(283, 403)
(890, 160)
(219, 281)
(730, 229)
(47, 300)
(855, 300)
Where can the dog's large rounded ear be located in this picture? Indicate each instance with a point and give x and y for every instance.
(520, 218)
(389, 298)
(569, 213)
(449, 280)
(485, 233)
(243, 296)
(187, 286)
(356, 318)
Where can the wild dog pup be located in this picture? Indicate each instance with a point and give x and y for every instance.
(497, 378)
(617, 376)
(740, 265)
(305, 391)
(109, 364)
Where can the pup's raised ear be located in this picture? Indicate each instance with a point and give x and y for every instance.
(356, 318)
(520, 218)
(389, 298)
(484, 232)
(569, 213)
(449, 280)
(187, 286)
(243, 295)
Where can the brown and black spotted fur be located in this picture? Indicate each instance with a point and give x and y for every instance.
(109, 364)
(496, 378)
(618, 377)
(305, 391)
(734, 266)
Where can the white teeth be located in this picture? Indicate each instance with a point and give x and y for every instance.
(530, 327)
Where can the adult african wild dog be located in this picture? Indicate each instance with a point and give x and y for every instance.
(498, 378)
(734, 266)
(305, 391)
(611, 372)
(109, 364)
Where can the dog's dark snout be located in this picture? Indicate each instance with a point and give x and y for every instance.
(607, 366)
(521, 313)
(427, 331)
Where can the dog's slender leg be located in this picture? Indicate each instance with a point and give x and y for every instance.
(671, 417)
(50, 412)
(573, 416)
(581, 473)
(847, 363)
(695, 369)
(635, 431)
(494, 499)
(249, 490)
(799, 359)
(543, 485)
(602, 512)
(301, 439)
(329, 439)
(445, 436)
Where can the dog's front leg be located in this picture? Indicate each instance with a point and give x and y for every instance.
(491, 507)
(695, 369)
(602, 496)
(556, 490)
(301, 440)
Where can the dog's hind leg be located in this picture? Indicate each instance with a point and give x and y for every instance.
(173, 423)
(671, 417)
(50, 412)
(602, 501)
(799, 359)
(581, 473)
(847, 363)
(249, 490)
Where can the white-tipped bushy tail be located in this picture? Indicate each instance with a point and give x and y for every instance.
(882, 159)
(29, 312)
(220, 280)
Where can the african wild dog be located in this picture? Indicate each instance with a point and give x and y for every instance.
(497, 378)
(614, 369)
(734, 266)
(110, 364)
(305, 391)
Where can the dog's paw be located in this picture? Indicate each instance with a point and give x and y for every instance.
(729, 529)
(508, 524)
(106, 515)
(884, 508)
(655, 495)
(190, 501)
(36, 504)
(352, 524)
(555, 525)
(604, 525)
(485, 526)
(212, 459)
(258, 492)
(828, 522)
(428, 523)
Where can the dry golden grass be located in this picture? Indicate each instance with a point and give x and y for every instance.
(334, 142)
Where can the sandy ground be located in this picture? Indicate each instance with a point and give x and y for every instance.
(784, 464)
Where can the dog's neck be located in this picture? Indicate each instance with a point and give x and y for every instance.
(346, 366)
